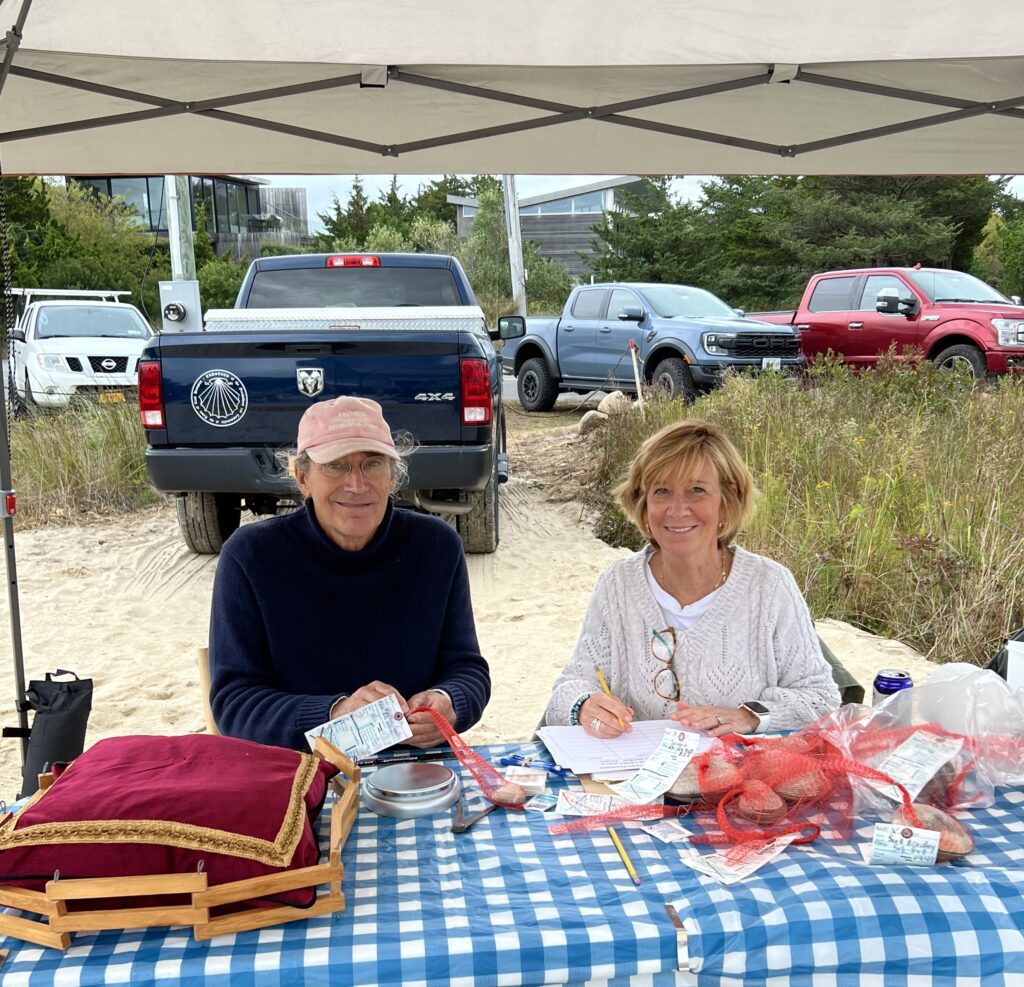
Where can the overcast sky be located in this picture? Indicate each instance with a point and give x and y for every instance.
(321, 189)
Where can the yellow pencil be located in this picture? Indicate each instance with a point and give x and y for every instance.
(607, 691)
(622, 853)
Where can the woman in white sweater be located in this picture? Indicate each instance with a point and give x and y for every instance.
(691, 627)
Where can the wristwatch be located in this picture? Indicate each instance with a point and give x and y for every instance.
(761, 712)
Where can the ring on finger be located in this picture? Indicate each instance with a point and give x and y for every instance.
(720, 720)
(595, 724)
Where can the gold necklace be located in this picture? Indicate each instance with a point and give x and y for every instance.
(724, 558)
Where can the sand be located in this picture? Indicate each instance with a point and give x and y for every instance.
(127, 605)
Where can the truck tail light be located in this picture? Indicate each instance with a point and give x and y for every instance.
(151, 395)
(476, 393)
(353, 260)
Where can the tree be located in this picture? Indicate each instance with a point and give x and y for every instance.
(392, 209)
(349, 225)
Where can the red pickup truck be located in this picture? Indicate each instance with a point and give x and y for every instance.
(954, 318)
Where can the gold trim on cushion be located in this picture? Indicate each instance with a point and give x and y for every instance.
(276, 853)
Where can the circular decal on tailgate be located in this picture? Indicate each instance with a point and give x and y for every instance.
(219, 398)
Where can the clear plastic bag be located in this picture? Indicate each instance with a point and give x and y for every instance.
(958, 701)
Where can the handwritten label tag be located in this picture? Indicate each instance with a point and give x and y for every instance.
(753, 858)
(587, 804)
(915, 761)
(545, 802)
(904, 845)
(366, 730)
(666, 830)
(661, 769)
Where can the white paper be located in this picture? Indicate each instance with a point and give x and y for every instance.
(587, 804)
(1015, 664)
(575, 749)
(721, 869)
(666, 830)
(545, 802)
(366, 730)
(914, 763)
(903, 845)
(533, 781)
(661, 769)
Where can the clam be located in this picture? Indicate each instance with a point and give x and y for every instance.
(808, 786)
(759, 804)
(955, 841)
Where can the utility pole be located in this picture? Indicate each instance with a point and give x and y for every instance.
(515, 245)
(179, 228)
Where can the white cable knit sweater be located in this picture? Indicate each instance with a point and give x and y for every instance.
(756, 641)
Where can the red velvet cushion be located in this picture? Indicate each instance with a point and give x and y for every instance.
(159, 805)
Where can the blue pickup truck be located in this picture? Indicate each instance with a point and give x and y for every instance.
(221, 407)
(686, 339)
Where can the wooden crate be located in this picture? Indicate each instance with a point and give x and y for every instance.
(60, 923)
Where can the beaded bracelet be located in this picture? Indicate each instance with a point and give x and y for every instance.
(574, 713)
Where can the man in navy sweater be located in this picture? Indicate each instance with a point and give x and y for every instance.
(325, 610)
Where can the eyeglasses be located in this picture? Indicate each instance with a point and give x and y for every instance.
(663, 647)
(373, 468)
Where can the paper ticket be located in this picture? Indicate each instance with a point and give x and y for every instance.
(753, 857)
(666, 830)
(587, 804)
(661, 769)
(903, 845)
(914, 763)
(366, 730)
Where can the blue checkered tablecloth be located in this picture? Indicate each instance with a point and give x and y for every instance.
(507, 904)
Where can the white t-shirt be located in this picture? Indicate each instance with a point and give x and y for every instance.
(681, 618)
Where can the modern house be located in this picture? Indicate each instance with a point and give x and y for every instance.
(560, 223)
(241, 212)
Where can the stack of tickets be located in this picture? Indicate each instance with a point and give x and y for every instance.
(533, 781)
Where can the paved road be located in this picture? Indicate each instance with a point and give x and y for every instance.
(508, 393)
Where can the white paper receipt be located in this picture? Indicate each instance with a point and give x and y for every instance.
(366, 730)
(904, 845)
(721, 868)
(587, 804)
(661, 769)
(915, 761)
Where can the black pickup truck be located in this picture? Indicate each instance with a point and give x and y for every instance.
(221, 407)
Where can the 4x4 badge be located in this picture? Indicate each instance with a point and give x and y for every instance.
(310, 380)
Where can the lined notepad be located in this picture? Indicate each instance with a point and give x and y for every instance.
(575, 749)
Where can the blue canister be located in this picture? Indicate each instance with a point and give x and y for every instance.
(888, 682)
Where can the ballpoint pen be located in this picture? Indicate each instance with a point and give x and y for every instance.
(529, 761)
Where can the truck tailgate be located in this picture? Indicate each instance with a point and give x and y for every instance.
(246, 387)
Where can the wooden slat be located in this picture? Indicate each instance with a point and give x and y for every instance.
(260, 918)
(130, 918)
(260, 887)
(37, 932)
(29, 901)
(4, 953)
(125, 887)
(339, 759)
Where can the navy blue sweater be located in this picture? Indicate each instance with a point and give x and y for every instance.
(296, 621)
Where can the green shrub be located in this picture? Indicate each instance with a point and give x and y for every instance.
(896, 496)
(86, 460)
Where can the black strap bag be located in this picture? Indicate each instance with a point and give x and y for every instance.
(57, 736)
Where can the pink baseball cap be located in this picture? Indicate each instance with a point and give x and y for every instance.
(332, 429)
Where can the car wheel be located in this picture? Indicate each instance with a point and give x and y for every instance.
(673, 379)
(206, 520)
(537, 389)
(479, 528)
(965, 356)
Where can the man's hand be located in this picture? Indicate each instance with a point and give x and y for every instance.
(365, 695)
(424, 730)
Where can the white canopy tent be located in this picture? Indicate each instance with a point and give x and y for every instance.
(136, 87)
(574, 86)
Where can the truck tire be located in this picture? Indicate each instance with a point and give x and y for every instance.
(537, 389)
(673, 378)
(962, 355)
(207, 519)
(479, 528)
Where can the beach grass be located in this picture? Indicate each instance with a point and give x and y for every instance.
(895, 496)
(82, 461)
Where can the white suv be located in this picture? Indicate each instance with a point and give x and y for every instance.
(82, 347)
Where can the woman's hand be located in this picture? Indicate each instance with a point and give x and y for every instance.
(424, 729)
(600, 716)
(365, 695)
(715, 720)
